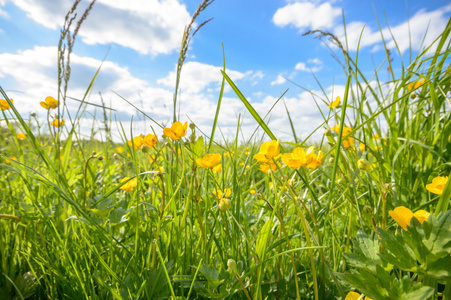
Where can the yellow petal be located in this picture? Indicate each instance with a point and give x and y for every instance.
(402, 215)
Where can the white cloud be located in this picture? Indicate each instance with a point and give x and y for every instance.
(303, 67)
(147, 26)
(4, 14)
(31, 75)
(304, 15)
(197, 76)
(433, 23)
(280, 80)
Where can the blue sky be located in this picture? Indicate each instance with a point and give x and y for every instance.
(262, 40)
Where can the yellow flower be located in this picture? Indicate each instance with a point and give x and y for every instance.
(437, 185)
(415, 84)
(316, 161)
(50, 103)
(176, 131)
(57, 122)
(209, 161)
(355, 296)
(268, 151)
(363, 164)
(150, 140)
(11, 157)
(265, 168)
(4, 105)
(137, 142)
(347, 142)
(335, 103)
(252, 192)
(297, 158)
(119, 149)
(129, 185)
(21, 136)
(219, 194)
(301, 158)
(402, 215)
(217, 169)
(362, 147)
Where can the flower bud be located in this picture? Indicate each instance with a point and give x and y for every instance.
(192, 126)
(231, 263)
(225, 204)
(100, 157)
(145, 148)
(363, 164)
(328, 132)
(33, 115)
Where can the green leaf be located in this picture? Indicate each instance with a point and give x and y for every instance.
(263, 238)
(397, 253)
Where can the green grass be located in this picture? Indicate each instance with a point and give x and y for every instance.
(70, 232)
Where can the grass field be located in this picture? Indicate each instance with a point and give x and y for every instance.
(173, 213)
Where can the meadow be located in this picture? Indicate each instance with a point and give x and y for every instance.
(174, 213)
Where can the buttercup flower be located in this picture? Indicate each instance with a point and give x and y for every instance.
(129, 185)
(21, 136)
(137, 142)
(402, 215)
(268, 151)
(297, 158)
(176, 131)
(316, 161)
(362, 147)
(57, 122)
(363, 164)
(265, 168)
(355, 296)
(150, 140)
(209, 161)
(415, 84)
(50, 103)
(11, 157)
(437, 185)
(224, 202)
(4, 105)
(217, 169)
(219, 194)
(347, 142)
(335, 103)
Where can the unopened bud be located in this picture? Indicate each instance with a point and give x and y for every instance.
(145, 148)
(100, 157)
(192, 126)
(328, 132)
(363, 164)
(331, 159)
(225, 204)
(231, 263)
(33, 115)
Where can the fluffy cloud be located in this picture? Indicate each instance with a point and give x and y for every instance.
(433, 23)
(197, 76)
(304, 15)
(280, 80)
(314, 66)
(31, 75)
(147, 26)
